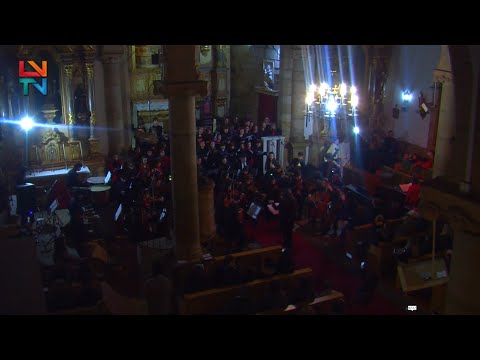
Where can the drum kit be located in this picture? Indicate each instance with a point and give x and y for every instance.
(99, 190)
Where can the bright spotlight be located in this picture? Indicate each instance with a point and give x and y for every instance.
(407, 96)
(332, 104)
(312, 88)
(309, 99)
(343, 89)
(26, 123)
(356, 130)
(353, 90)
(354, 100)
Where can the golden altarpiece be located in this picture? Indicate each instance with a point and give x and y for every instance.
(67, 112)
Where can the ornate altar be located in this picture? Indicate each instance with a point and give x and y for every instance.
(55, 150)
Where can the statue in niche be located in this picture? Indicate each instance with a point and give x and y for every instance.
(82, 114)
(268, 78)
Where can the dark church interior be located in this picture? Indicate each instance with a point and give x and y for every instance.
(239, 180)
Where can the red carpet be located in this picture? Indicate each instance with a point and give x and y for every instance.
(338, 276)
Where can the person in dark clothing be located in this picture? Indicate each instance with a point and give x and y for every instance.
(121, 187)
(73, 180)
(288, 214)
(298, 164)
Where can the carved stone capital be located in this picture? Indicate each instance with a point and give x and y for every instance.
(461, 221)
(68, 71)
(461, 212)
(443, 76)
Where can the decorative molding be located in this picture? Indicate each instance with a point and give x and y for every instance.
(93, 120)
(68, 71)
(89, 70)
(443, 76)
(463, 213)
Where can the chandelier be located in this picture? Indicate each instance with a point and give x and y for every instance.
(332, 101)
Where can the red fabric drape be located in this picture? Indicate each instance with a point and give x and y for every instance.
(267, 106)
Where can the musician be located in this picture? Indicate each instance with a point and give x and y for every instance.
(243, 165)
(298, 164)
(114, 165)
(318, 202)
(120, 187)
(264, 130)
(73, 178)
(150, 156)
(208, 135)
(288, 213)
(256, 133)
(157, 170)
(273, 131)
(299, 194)
(241, 136)
(165, 161)
(271, 165)
(144, 168)
(250, 153)
(202, 150)
(224, 166)
(200, 135)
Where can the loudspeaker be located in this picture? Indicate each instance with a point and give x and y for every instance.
(26, 201)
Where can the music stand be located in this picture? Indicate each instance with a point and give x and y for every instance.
(52, 220)
(254, 210)
(107, 178)
(118, 212)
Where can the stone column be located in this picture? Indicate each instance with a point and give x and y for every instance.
(440, 199)
(466, 184)
(299, 92)
(463, 287)
(446, 118)
(113, 103)
(91, 98)
(434, 112)
(285, 94)
(181, 87)
(67, 99)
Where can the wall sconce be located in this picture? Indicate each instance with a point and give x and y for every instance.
(406, 97)
(204, 49)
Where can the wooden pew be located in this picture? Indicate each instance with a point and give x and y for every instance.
(319, 305)
(213, 300)
(246, 259)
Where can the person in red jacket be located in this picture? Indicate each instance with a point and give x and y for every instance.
(413, 193)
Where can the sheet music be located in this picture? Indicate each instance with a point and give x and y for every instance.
(272, 209)
(405, 187)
